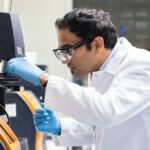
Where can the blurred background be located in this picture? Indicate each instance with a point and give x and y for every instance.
(37, 18)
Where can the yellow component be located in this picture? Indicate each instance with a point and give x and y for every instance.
(8, 137)
(32, 102)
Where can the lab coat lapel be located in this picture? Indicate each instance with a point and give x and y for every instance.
(102, 79)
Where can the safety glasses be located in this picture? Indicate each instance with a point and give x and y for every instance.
(65, 54)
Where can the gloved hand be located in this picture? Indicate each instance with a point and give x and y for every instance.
(45, 120)
(23, 68)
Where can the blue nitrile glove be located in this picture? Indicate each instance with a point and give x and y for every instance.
(45, 120)
(23, 68)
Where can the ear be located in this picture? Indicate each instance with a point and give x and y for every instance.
(98, 43)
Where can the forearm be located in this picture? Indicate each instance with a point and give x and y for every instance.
(96, 109)
(70, 99)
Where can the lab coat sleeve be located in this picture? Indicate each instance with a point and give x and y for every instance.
(74, 133)
(127, 96)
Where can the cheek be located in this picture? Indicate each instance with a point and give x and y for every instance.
(89, 62)
(83, 61)
(82, 55)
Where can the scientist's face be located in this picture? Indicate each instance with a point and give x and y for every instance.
(81, 60)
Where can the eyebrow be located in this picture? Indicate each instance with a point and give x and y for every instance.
(65, 46)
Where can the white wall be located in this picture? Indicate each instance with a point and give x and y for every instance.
(1, 5)
(37, 19)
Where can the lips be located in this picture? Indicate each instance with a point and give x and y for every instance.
(72, 69)
(70, 66)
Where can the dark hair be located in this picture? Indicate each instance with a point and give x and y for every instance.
(89, 23)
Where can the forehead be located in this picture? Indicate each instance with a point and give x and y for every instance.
(66, 37)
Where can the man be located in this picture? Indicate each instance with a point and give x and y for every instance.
(114, 111)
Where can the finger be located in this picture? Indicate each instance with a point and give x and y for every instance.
(49, 111)
(39, 123)
(43, 106)
(40, 126)
(40, 115)
(40, 111)
(41, 119)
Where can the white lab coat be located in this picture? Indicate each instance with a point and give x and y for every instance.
(114, 111)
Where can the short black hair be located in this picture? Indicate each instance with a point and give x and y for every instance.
(89, 23)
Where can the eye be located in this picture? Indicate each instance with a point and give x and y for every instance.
(70, 51)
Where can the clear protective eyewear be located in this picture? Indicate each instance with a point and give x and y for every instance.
(65, 54)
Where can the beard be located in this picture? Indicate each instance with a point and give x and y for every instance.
(76, 74)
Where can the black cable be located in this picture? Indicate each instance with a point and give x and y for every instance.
(8, 119)
(10, 6)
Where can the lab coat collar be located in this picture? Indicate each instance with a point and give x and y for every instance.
(115, 58)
